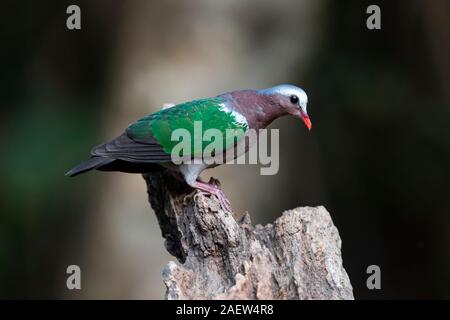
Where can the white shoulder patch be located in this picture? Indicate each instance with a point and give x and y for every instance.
(237, 116)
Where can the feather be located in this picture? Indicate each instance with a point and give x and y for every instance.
(126, 149)
(89, 164)
(124, 154)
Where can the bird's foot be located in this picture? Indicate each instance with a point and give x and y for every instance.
(213, 188)
(223, 200)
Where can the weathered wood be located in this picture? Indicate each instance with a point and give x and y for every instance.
(296, 257)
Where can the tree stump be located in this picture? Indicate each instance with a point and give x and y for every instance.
(296, 257)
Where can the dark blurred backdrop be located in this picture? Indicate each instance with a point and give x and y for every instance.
(378, 156)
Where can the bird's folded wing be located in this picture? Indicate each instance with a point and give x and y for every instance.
(125, 148)
(211, 113)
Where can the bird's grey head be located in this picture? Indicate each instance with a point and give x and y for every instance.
(293, 99)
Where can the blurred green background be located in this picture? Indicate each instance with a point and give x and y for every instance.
(378, 156)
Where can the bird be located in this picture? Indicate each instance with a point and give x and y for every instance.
(146, 145)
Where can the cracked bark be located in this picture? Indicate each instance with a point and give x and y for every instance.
(296, 257)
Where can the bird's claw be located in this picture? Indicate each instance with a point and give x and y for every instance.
(225, 204)
(223, 200)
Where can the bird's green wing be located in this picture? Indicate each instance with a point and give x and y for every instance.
(196, 118)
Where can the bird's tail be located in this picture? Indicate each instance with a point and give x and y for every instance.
(92, 163)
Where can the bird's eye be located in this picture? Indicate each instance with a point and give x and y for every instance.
(294, 99)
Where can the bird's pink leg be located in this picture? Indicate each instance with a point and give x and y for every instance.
(213, 189)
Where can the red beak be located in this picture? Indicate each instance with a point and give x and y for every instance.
(307, 121)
